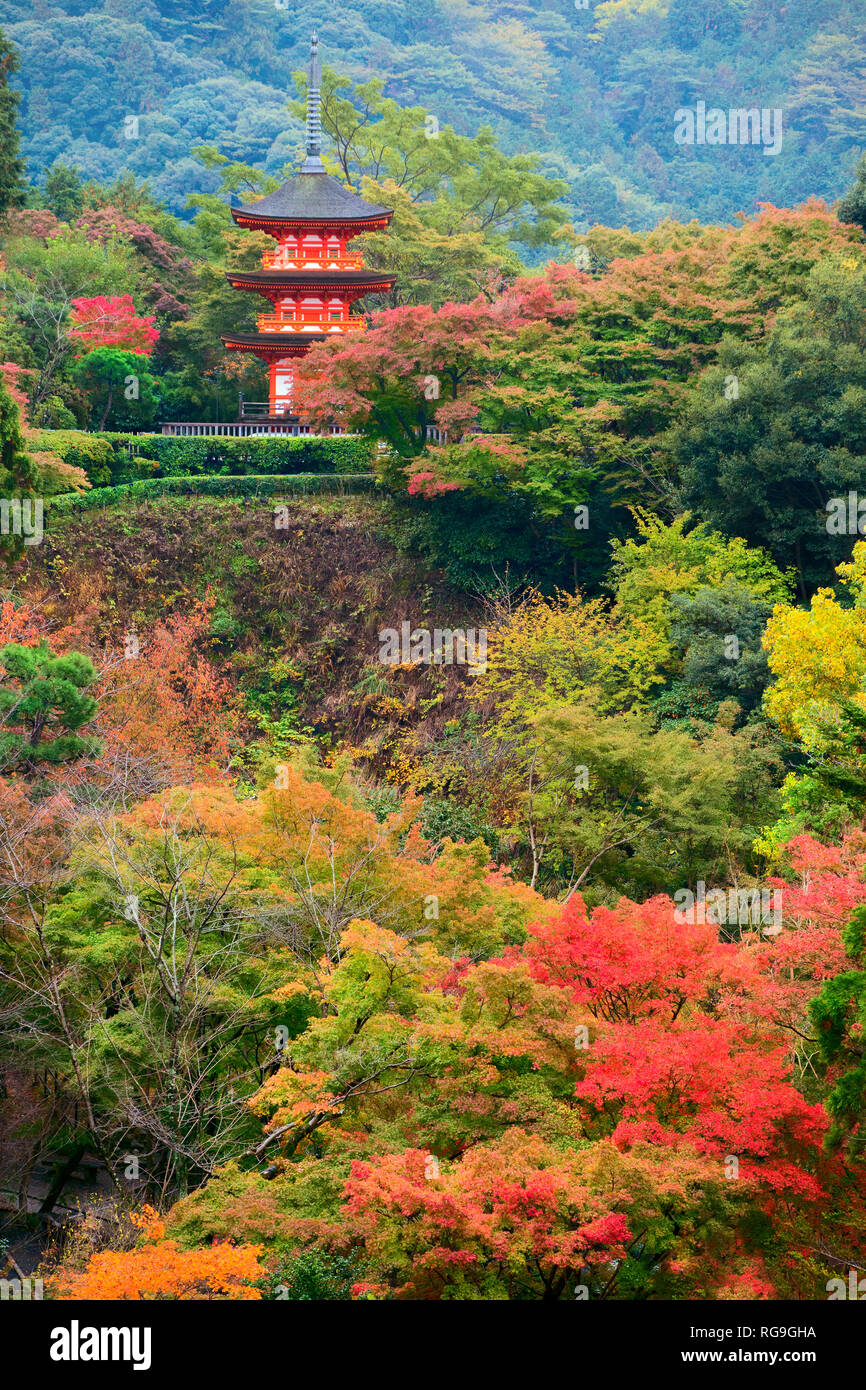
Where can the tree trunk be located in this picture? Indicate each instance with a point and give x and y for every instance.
(107, 407)
(60, 1179)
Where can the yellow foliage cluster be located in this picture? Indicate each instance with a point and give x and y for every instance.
(818, 658)
(556, 652)
(612, 655)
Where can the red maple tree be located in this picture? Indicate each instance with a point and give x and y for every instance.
(112, 321)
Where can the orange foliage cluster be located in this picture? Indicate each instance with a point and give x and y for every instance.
(170, 699)
(19, 625)
(159, 1269)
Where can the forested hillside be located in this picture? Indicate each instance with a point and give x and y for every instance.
(591, 88)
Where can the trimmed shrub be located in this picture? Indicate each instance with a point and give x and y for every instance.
(92, 452)
(290, 484)
(118, 458)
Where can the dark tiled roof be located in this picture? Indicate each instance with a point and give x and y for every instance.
(313, 278)
(311, 198)
(283, 342)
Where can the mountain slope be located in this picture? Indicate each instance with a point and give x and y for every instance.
(594, 90)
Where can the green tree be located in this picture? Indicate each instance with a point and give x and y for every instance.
(609, 799)
(852, 207)
(213, 221)
(377, 138)
(775, 432)
(842, 773)
(11, 165)
(120, 387)
(719, 630)
(826, 798)
(829, 90)
(662, 562)
(63, 192)
(839, 1015)
(43, 702)
(17, 470)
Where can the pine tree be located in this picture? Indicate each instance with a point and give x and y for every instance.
(43, 701)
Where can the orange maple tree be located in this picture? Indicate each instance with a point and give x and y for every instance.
(170, 698)
(159, 1269)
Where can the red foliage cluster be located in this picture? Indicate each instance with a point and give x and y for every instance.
(112, 321)
(687, 1072)
(11, 374)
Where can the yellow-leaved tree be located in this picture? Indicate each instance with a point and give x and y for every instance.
(818, 659)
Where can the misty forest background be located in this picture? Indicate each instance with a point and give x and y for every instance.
(591, 91)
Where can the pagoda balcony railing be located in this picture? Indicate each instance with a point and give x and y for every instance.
(268, 323)
(261, 410)
(257, 417)
(279, 260)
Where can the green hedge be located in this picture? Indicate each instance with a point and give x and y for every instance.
(120, 458)
(298, 484)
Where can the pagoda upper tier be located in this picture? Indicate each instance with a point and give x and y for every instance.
(311, 277)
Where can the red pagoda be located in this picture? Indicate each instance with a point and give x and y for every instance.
(310, 277)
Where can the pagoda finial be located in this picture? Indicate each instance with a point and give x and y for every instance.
(313, 164)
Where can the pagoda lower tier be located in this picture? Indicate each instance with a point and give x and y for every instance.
(306, 306)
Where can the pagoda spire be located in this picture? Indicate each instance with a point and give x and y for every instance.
(313, 163)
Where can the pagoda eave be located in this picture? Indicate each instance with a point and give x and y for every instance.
(365, 282)
(286, 344)
(279, 226)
